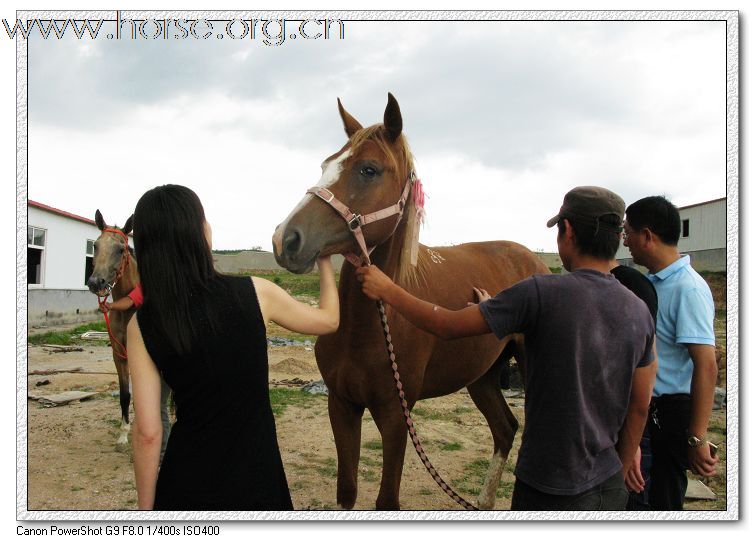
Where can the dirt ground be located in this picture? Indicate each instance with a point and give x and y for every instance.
(73, 463)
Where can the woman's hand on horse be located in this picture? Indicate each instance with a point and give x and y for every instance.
(375, 284)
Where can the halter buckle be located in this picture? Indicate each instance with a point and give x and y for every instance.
(354, 222)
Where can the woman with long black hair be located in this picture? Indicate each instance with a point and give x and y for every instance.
(205, 334)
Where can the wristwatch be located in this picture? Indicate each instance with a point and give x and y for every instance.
(694, 441)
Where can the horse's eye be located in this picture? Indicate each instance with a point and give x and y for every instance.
(369, 172)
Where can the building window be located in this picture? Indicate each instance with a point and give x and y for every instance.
(88, 261)
(685, 228)
(35, 251)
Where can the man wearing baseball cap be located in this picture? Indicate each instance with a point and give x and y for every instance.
(590, 359)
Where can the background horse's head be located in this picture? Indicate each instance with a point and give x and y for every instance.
(111, 252)
(368, 174)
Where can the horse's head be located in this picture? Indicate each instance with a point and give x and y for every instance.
(111, 254)
(368, 174)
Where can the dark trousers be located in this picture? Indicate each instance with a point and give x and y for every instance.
(610, 495)
(640, 501)
(668, 423)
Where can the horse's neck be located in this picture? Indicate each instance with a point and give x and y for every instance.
(128, 281)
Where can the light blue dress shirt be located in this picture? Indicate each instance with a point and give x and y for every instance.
(685, 316)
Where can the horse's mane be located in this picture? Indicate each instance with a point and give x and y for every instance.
(401, 160)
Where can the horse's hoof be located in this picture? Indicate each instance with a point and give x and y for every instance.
(485, 506)
(122, 447)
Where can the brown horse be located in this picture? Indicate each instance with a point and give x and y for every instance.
(369, 173)
(115, 272)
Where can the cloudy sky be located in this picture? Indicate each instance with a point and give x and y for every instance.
(503, 119)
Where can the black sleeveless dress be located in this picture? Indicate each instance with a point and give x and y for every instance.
(223, 451)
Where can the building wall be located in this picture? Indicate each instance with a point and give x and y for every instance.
(707, 227)
(706, 243)
(64, 256)
(61, 306)
(701, 261)
(62, 297)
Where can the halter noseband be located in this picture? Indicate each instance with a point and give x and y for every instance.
(356, 221)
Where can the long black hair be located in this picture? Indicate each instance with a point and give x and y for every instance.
(175, 261)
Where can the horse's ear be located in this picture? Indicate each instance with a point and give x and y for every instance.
(392, 118)
(129, 225)
(350, 124)
(98, 220)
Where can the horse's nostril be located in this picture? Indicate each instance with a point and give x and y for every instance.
(292, 243)
(95, 283)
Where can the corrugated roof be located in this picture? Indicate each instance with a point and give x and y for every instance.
(703, 203)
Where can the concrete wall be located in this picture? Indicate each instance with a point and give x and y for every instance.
(61, 306)
(248, 261)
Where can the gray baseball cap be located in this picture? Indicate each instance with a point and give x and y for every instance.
(587, 204)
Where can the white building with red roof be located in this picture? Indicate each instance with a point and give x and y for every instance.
(59, 260)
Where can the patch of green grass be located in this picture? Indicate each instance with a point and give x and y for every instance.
(281, 398)
(67, 338)
(298, 485)
(296, 284)
(314, 503)
(479, 467)
(441, 415)
(505, 491)
(76, 489)
(367, 461)
(328, 468)
(555, 270)
(452, 446)
(373, 445)
(425, 492)
(474, 478)
(368, 475)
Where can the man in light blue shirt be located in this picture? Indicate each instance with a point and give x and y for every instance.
(687, 369)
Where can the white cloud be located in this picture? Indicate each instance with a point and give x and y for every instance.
(503, 117)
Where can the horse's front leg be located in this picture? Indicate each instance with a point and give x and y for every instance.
(346, 422)
(392, 426)
(121, 366)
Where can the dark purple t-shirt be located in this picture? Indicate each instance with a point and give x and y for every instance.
(585, 334)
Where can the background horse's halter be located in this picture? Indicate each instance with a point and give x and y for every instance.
(355, 223)
(123, 354)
